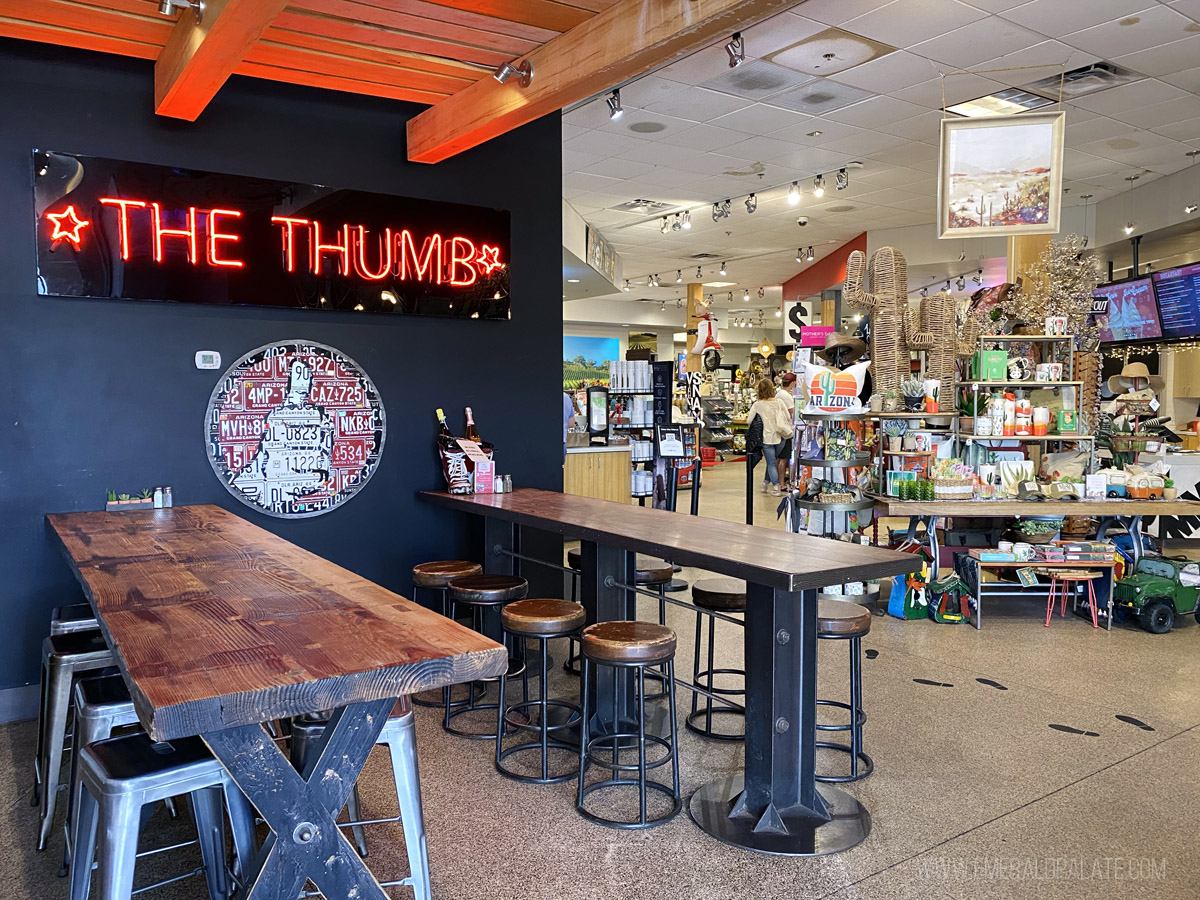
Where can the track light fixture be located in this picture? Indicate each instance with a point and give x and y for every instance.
(843, 180)
(627, 285)
(730, 297)
(779, 313)
(615, 110)
(679, 276)
(746, 296)
(720, 210)
(676, 223)
(751, 203)
(762, 292)
(810, 256)
(722, 273)
(819, 186)
(168, 7)
(1129, 226)
(799, 254)
(978, 279)
(687, 219)
(924, 292)
(1190, 208)
(736, 48)
(663, 306)
(665, 226)
(523, 73)
(961, 283)
(793, 194)
(699, 274)
(946, 289)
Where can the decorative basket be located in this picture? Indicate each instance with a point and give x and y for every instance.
(826, 497)
(1130, 443)
(953, 489)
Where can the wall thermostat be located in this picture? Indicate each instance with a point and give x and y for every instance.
(208, 359)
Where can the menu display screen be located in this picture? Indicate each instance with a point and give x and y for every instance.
(1132, 312)
(1178, 292)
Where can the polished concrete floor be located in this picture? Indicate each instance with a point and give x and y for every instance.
(1013, 762)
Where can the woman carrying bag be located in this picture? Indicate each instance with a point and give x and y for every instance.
(777, 426)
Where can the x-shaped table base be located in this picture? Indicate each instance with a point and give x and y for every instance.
(305, 843)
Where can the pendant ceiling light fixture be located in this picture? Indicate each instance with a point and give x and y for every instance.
(736, 48)
(793, 193)
(615, 110)
(1132, 223)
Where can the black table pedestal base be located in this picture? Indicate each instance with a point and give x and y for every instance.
(849, 825)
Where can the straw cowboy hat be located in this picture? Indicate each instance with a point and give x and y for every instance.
(835, 341)
(1125, 382)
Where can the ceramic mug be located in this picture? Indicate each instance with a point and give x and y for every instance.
(1005, 546)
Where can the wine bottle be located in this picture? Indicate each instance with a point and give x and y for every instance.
(444, 431)
(472, 431)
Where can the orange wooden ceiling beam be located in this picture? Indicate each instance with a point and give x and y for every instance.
(199, 57)
(628, 39)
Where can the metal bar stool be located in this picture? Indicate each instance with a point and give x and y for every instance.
(540, 620)
(724, 595)
(102, 705)
(840, 620)
(482, 592)
(628, 645)
(1068, 580)
(65, 657)
(73, 617)
(120, 776)
(434, 576)
(400, 736)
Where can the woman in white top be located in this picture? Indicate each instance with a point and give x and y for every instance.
(776, 426)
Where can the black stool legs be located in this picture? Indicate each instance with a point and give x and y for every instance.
(507, 724)
(706, 708)
(858, 718)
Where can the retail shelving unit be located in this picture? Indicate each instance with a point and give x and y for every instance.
(715, 430)
(833, 470)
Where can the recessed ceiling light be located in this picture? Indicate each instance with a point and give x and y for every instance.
(1013, 100)
(573, 281)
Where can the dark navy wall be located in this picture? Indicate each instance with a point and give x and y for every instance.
(104, 394)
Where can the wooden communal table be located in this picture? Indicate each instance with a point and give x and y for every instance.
(1128, 513)
(1009, 589)
(775, 806)
(218, 626)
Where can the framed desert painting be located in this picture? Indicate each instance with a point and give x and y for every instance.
(1000, 175)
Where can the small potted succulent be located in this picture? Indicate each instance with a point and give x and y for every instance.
(143, 499)
(891, 401)
(894, 430)
(876, 402)
(969, 406)
(1170, 492)
(914, 394)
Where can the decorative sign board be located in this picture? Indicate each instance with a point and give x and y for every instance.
(814, 335)
(294, 429)
(795, 318)
(125, 230)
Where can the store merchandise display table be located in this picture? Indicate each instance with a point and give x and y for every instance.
(775, 806)
(1128, 513)
(1009, 589)
(219, 626)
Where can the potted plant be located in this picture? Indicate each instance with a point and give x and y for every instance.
(891, 401)
(876, 403)
(144, 499)
(1169, 490)
(969, 406)
(894, 430)
(914, 394)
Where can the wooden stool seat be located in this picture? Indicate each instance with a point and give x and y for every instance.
(722, 594)
(542, 617)
(841, 618)
(487, 589)
(441, 573)
(649, 570)
(628, 642)
(1073, 574)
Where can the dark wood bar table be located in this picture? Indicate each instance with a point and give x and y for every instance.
(775, 806)
(219, 626)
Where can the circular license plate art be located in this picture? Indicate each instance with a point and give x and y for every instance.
(294, 429)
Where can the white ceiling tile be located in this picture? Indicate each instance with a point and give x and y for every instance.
(835, 12)
(590, 115)
(1159, 114)
(614, 167)
(708, 137)
(762, 119)
(960, 47)
(916, 156)
(1189, 8)
(1137, 31)
(711, 164)
(1187, 131)
(1164, 59)
(1049, 57)
(756, 79)
(581, 181)
(700, 66)
(1188, 79)
(1169, 163)
(875, 112)
(871, 143)
(1099, 128)
(830, 131)
(647, 89)
(1126, 146)
(759, 148)
(956, 89)
(810, 159)
(995, 6)
(924, 127)
(602, 143)
(570, 131)
(780, 31)
(886, 176)
(660, 153)
(1054, 17)
(888, 73)
(574, 160)
(697, 104)
(818, 97)
(903, 23)
(1128, 97)
(1077, 164)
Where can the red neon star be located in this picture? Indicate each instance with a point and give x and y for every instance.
(71, 231)
(488, 259)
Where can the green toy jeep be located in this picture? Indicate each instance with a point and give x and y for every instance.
(1159, 590)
